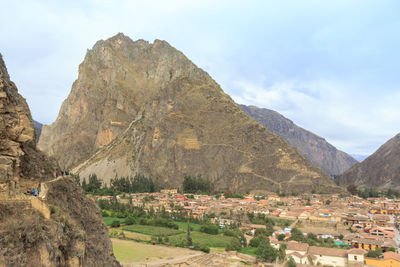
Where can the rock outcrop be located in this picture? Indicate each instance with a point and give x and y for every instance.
(314, 148)
(145, 108)
(62, 227)
(38, 129)
(381, 169)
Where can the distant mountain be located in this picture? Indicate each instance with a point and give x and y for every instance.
(381, 169)
(359, 157)
(140, 107)
(316, 149)
(38, 129)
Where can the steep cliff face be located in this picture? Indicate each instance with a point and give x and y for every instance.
(145, 108)
(312, 147)
(381, 169)
(116, 79)
(61, 227)
(38, 129)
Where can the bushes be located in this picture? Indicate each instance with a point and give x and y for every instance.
(192, 184)
(233, 245)
(130, 220)
(115, 223)
(257, 240)
(209, 228)
(266, 252)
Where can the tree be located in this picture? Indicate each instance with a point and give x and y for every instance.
(233, 245)
(281, 237)
(374, 253)
(392, 249)
(291, 262)
(296, 235)
(266, 252)
(115, 223)
(209, 228)
(258, 240)
(189, 238)
(352, 189)
(130, 220)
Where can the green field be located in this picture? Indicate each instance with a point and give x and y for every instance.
(109, 220)
(133, 253)
(151, 230)
(249, 251)
(193, 226)
(202, 239)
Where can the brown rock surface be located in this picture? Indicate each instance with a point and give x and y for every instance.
(171, 119)
(64, 228)
(381, 169)
(314, 148)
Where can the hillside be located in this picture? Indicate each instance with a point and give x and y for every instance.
(314, 148)
(38, 129)
(61, 227)
(381, 169)
(140, 107)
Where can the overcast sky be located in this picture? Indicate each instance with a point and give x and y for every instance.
(333, 67)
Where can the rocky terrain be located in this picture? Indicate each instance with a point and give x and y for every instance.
(140, 107)
(314, 148)
(381, 169)
(38, 129)
(62, 227)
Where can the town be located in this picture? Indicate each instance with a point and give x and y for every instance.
(329, 230)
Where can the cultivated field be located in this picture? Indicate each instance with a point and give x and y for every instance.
(130, 252)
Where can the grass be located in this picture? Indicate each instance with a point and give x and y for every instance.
(193, 226)
(202, 239)
(250, 251)
(109, 220)
(133, 252)
(151, 230)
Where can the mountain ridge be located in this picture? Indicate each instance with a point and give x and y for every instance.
(313, 147)
(381, 169)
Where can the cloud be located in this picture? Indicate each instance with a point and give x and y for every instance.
(348, 118)
(330, 66)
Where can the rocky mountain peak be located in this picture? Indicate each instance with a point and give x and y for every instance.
(140, 107)
(115, 79)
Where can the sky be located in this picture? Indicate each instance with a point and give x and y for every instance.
(330, 66)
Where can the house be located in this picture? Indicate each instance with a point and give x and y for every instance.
(372, 243)
(379, 231)
(304, 254)
(390, 259)
(380, 219)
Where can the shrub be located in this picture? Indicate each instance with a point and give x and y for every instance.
(130, 220)
(257, 240)
(233, 245)
(205, 249)
(209, 228)
(281, 237)
(115, 223)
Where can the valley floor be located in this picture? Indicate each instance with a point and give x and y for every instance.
(135, 254)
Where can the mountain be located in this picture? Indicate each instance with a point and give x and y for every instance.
(381, 169)
(38, 129)
(61, 227)
(314, 148)
(359, 157)
(140, 107)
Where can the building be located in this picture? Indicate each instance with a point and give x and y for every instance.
(304, 254)
(390, 259)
